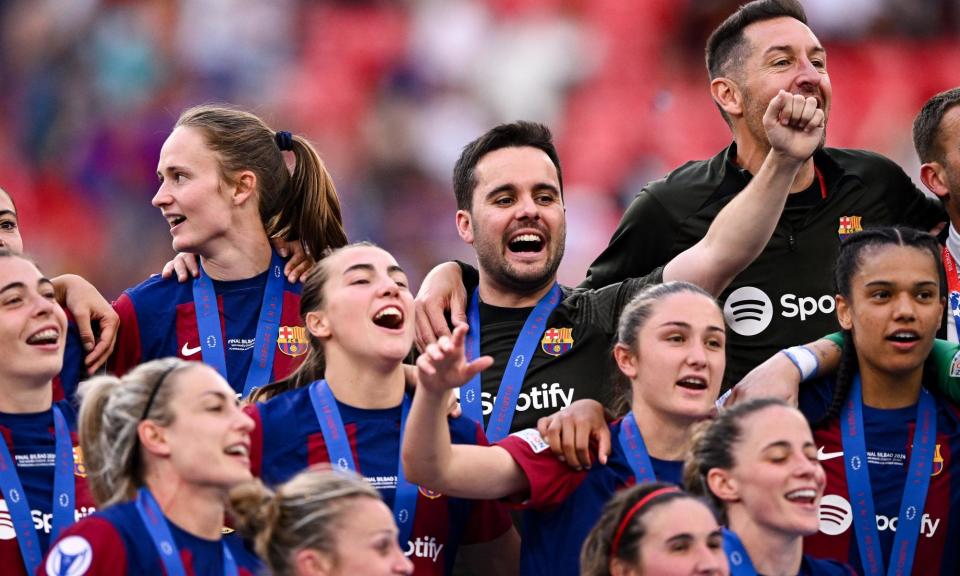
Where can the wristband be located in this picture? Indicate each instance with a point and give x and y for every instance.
(804, 359)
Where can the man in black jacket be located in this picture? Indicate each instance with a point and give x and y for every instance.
(936, 137)
(786, 296)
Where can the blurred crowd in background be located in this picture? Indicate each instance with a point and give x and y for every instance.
(389, 91)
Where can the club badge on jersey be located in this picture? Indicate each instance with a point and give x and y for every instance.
(557, 341)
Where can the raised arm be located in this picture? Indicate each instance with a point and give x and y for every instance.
(429, 457)
(739, 233)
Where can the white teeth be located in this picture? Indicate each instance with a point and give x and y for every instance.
(526, 238)
(390, 311)
(48, 335)
(693, 381)
(904, 336)
(802, 494)
(238, 450)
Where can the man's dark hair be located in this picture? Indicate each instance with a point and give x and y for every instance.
(926, 126)
(517, 134)
(727, 47)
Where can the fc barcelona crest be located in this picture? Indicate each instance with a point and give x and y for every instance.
(937, 462)
(557, 341)
(80, 469)
(292, 340)
(431, 494)
(849, 225)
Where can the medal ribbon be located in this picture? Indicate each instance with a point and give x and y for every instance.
(64, 490)
(63, 494)
(914, 490)
(635, 450)
(953, 286)
(740, 562)
(159, 531)
(268, 324)
(509, 392)
(338, 448)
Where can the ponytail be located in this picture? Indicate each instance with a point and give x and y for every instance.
(301, 206)
(305, 512)
(111, 409)
(309, 210)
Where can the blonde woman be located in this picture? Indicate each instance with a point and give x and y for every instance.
(320, 523)
(164, 445)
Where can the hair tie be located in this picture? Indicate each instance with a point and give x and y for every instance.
(284, 140)
(633, 512)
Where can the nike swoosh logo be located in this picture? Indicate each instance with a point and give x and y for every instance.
(187, 350)
(821, 455)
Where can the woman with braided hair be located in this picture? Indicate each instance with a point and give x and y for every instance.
(887, 438)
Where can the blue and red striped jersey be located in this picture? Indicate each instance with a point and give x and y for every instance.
(288, 439)
(563, 503)
(115, 542)
(31, 441)
(158, 319)
(888, 435)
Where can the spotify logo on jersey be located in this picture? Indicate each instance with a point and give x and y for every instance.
(835, 514)
(748, 311)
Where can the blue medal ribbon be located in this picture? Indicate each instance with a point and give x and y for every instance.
(268, 324)
(512, 382)
(63, 494)
(338, 448)
(739, 560)
(156, 524)
(914, 491)
(635, 450)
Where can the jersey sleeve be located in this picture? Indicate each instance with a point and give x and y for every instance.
(551, 481)
(73, 370)
(91, 547)
(642, 241)
(946, 356)
(126, 354)
(601, 308)
(488, 519)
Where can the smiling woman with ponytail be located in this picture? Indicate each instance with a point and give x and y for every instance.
(165, 444)
(320, 523)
